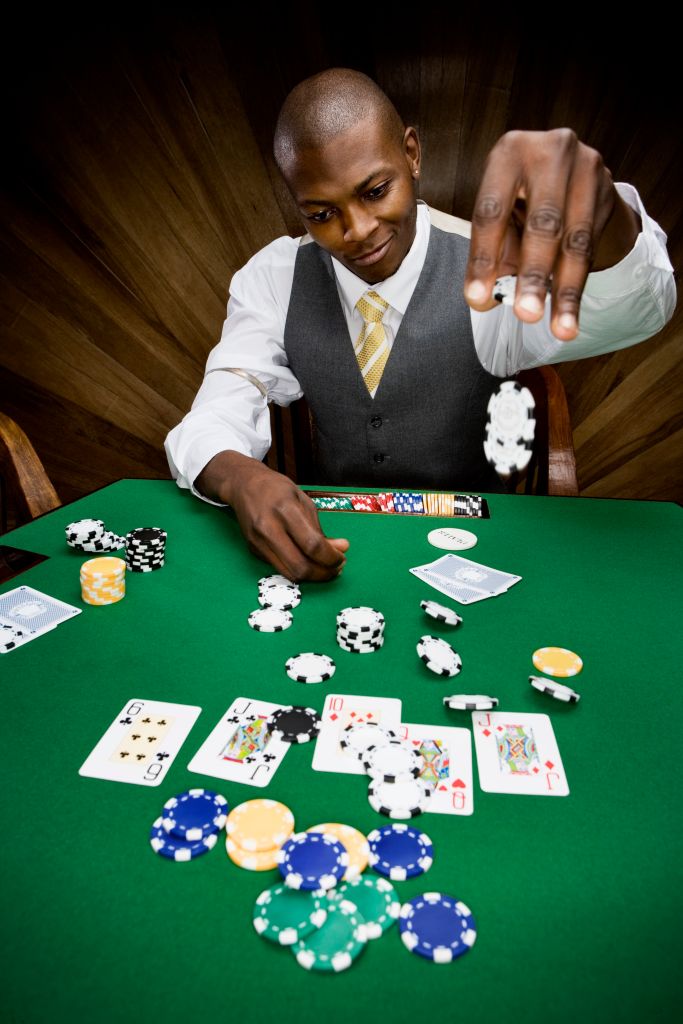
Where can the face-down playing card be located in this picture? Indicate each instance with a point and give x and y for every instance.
(240, 748)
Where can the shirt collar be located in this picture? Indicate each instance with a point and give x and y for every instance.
(398, 289)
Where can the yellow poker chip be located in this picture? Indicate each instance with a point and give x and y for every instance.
(258, 825)
(353, 841)
(557, 661)
(251, 860)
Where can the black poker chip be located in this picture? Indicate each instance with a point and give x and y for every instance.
(294, 724)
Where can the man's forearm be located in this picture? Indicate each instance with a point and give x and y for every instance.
(217, 478)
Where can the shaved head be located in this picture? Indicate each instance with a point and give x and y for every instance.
(326, 105)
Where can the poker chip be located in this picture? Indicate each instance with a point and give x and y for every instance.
(437, 927)
(376, 901)
(103, 580)
(393, 761)
(404, 799)
(361, 619)
(439, 656)
(399, 851)
(335, 945)
(285, 915)
(441, 613)
(510, 428)
(294, 724)
(90, 535)
(353, 841)
(174, 848)
(470, 702)
(270, 620)
(312, 860)
(450, 539)
(261, 824)
(281, 597)
(556, 690)
(357, 648)
(310, 668)
(194, 814)
(251, 860)
(557, 661)
(357, 737)
(145, 549)
(277, 580)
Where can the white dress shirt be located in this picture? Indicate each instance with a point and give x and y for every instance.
(248, 368)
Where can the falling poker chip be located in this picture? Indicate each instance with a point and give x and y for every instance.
(294, 724)
(437, 927)
(270, 620)
(439, 656)
(194, 814)
(310, 668)
(395, 761)
(284, 915)
(510, 428)
(470, 702)
(357, 737)
(178, 849)
(400, 851)
(399, 799)
(557, 690)
(334, 946)
(441, 613)
(376, 900)
(312, 860)
(557, 661)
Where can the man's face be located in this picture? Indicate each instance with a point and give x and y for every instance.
(356, 195)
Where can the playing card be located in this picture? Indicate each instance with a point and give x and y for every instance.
(31, 611)
(240, 748)
(141, 743)
(464, 580)
(342, 709)
(518, 753)
(447, 754)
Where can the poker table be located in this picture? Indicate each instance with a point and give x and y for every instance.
(577, 900)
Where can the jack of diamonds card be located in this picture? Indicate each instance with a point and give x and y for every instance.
(141, 743)
(518, 753)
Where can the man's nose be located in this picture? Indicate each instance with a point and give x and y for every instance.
(359, 223)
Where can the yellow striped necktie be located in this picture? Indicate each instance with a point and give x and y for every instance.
(372, 350)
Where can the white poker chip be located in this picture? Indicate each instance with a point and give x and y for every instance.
(470, 702)
(510, 428)
(360, 619)
(400, 800)
(557, 690)
(507, 456)
(357, 737)
(441, 613)
(277, 581)
(279, 597)
(270, 620)
(439, 656)
(451, 538)
(395, 761)
(504, 289)
(310, 668)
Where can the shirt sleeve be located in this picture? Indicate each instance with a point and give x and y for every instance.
(620, 306)
(247, 369)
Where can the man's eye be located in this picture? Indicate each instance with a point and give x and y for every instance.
(378, 191)
(322, 217)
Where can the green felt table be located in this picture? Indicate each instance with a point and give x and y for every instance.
(577, 899)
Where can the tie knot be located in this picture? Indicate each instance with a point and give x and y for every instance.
(372, 307)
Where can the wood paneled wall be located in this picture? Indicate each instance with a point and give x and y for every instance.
(137, 177)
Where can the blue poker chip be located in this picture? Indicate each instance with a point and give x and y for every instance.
(174, 848)
(399, 851)
(312, 860)
(437, 927)
(194, 814)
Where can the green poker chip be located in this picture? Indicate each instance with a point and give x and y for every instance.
(376, 899)
(285, 915)
(335, 945)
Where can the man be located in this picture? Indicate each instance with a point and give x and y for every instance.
(407, 408)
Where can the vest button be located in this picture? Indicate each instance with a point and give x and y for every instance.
(378, 457)
(375, 421)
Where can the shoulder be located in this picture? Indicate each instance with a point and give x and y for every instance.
(268, 274)
(447, 222)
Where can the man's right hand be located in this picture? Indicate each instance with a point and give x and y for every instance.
(279, 522)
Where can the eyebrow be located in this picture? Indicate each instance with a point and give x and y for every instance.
(357, 190)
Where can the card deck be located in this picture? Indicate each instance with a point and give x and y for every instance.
(240, 748)
(518, 753)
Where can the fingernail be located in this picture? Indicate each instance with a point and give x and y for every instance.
(477, 291)
(530, 303)
(567, 321)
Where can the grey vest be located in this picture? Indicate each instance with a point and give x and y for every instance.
(425, 426)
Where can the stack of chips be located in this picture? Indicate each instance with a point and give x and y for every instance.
(189, 824)
(145, 549)
(91, 535)
(360, 629)
(103, 581)
(277, 597)
(256, 831)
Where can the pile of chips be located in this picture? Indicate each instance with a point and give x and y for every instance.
(91, 535)
(402, 502)
(145, 549)
(360, 629)
(255, 832)
(277, 597)
(189, 824)
(103, 581)
(394, 767)
(510, 428)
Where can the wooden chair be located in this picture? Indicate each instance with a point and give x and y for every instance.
(552, 469)
(23, 479)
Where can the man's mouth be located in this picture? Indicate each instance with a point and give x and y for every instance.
(374, 256)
